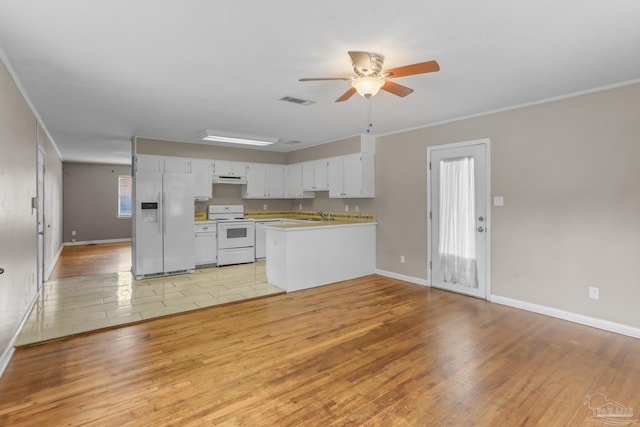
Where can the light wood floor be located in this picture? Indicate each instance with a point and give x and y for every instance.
(85, 260)
(372, 351)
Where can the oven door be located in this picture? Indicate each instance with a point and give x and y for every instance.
(236, 234)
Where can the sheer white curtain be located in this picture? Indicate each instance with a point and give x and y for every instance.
(457, 238)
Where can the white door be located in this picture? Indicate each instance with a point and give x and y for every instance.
(40, 207)
(458, 209)
(147, 245)
(178, 242)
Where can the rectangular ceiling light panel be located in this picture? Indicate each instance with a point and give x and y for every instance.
(215, 136)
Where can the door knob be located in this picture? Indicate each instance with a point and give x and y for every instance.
(480, 229)
(1, 270)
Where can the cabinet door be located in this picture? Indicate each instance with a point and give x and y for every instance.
(177, 165)
(321, 175)
(352, 176)
(309, 176)
(149, 163)
(275, 181)
(336, 177)
(293, 181)
(206, 248)
(256, 186)
(237, 168)
(202, 171)
(229, 168)
(260, 245)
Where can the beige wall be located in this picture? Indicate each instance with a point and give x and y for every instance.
(19, 139)
(331, 149)
(569, 173)
(91, 202)
(204, 151)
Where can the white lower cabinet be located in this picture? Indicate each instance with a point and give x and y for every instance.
(260, 244)
(206, 244)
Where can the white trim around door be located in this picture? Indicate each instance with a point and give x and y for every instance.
(486, 142)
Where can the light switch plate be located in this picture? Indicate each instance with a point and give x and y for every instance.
(498, 201)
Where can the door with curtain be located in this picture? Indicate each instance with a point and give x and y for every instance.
(458, 220)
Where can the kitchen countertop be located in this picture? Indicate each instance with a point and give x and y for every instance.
(336, 217)
(321, 224)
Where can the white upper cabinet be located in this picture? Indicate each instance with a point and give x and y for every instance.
(275, 181)
(162, 164)
(352, 176)
(149, 163)
(264, 181)
(293, 182)
(177, 165)
(229, 168)
(202, 171)
(315, 175)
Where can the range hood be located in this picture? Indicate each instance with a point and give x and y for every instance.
(229, 179)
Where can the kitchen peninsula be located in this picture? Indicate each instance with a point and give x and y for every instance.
(315, 253)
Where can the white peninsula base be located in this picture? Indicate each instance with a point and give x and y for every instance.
(305, 257)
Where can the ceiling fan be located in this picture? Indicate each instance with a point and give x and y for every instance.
(370, 78)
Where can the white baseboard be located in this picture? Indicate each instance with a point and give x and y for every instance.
(594, 322)
(93, 242)
(6, 357)
(8, 351)
(53, 263)
(398, 276)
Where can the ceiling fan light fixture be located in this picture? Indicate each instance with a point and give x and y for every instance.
(214, 136)
(367, 86)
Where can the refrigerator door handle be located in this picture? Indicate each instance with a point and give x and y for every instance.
(164, 223)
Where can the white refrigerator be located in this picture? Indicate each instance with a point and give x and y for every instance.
(163, 236)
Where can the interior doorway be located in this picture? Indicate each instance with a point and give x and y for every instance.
(459, 217)
(40, 214)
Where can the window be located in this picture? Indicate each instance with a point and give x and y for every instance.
(124, 196)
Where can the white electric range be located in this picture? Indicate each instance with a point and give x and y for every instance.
(236, 234)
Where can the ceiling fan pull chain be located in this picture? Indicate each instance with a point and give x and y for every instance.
(369, 117)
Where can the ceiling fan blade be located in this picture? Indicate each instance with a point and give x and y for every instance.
(396, 89)
(347, 95)
(408, 70)
(361, 60)
(312, 79)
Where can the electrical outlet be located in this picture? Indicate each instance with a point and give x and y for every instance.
(264, 207)
(357, 208)
(300, 207)
(346, 208)
(401, 259)
(594, 293)
(73, 232)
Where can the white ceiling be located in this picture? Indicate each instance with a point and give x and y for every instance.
(99, 72)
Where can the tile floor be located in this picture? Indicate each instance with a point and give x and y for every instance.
(81, 304)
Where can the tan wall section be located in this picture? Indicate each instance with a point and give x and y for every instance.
(331, 149)
(569, 173)
(91, 202)
(204, 151)
(18, 245)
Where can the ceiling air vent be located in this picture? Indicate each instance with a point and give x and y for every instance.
(296, 100)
